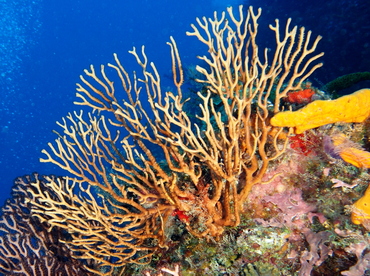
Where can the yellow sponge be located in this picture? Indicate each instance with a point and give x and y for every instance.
(352, 108)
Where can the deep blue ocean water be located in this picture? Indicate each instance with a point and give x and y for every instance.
(46, 44)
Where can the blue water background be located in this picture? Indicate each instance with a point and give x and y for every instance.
(45, 45)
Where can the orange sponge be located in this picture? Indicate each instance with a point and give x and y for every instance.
(361, 209)
(351, 152)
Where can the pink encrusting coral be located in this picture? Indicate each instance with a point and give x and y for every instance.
(317, 253)
(291, 201)
(293, 211)
(274, 179)
(363, 259)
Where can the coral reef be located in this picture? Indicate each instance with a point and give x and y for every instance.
(297, 224)
(133, 165)
(226, 190)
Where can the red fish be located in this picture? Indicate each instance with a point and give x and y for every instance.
(181, 215)
(300, 97)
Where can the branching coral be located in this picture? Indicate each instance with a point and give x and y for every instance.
(27, 248)
(135, 163)
(112, 234)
